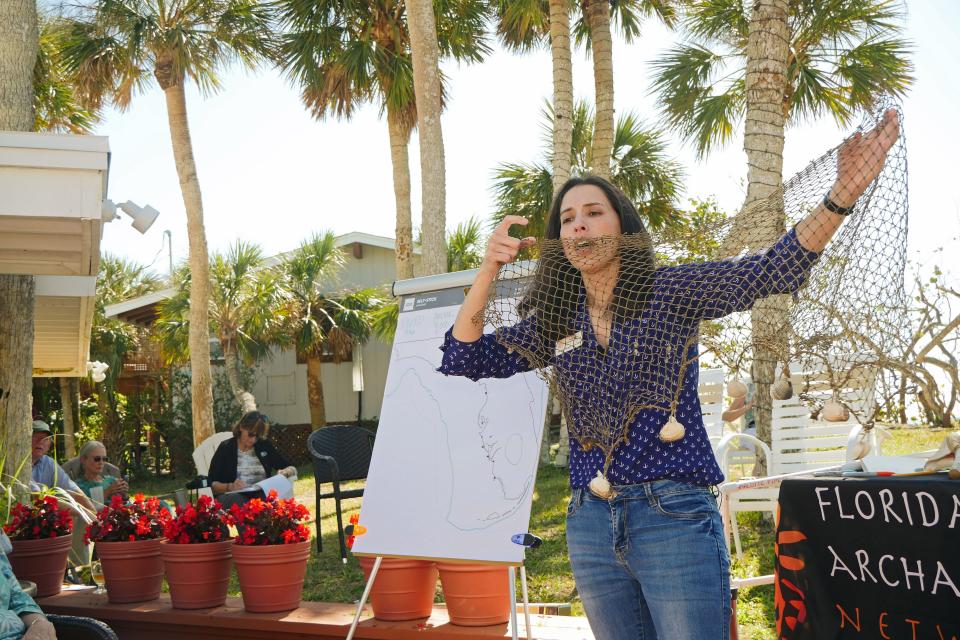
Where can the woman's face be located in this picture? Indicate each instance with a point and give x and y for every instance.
(246, 439)
(94, 460)
(589, 227)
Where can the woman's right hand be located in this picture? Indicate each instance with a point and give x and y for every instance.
(236, 485)
(117, 486)
(502, 248)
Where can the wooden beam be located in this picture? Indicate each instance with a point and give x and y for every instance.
(157, 620)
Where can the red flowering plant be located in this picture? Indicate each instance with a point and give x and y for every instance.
(205, 521)
(44, 518)
(270, 521)
(140, 519)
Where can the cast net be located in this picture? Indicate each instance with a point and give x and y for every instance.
(744, 289)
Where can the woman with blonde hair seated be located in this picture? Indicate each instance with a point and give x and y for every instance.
(93, 481)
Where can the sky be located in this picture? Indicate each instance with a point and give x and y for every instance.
(273, 175)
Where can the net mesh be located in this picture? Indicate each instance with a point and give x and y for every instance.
(628, 316)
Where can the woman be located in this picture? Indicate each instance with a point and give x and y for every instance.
(648, 554)
(246, 459)
(93, 480)
(20, 617)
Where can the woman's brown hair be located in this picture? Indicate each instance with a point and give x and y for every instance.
(255, 422)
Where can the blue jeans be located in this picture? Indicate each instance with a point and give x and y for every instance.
(651, 563)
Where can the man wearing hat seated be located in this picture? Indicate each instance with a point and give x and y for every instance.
(47, 473)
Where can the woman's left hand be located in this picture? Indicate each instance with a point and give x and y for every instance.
(861, 159)
(42, 629)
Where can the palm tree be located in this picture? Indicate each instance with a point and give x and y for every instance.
(840, 57)
(638, 166)
(526, 25)
(244, 306)
(344, 54)
(56, 103)
(782, 63)
(18, 52)
(465, 248)
(322, 326)
(111, 339)
(113, 49)
(428, 89)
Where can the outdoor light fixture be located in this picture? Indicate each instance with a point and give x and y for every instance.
(98, 370)
(143, 216)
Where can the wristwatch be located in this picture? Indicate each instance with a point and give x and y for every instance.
(833, 206)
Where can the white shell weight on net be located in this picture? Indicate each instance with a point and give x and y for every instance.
(736, 388)
(833, 411)
(782, 389)
(600, 486)
(672, 430)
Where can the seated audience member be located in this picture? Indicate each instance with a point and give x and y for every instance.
(47, 473)
(246, 459)
(93, 480)
(20, 617)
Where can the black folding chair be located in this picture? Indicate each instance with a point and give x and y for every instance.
(340, 453)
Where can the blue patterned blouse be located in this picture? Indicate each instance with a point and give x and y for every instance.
(13, 601)
(681, 297)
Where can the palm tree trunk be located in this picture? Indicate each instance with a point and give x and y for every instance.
(19, 44)
(562, 95)
(399, 141)
(601, 41)
(427, 90)
(201, 385)
(766, 84)
(68, 404)
(231, 363)
(318, 411)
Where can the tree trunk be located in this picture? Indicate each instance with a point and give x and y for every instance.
(231, 363)
(563, 453)
(68, 404)
(201, 385)
(601, 42)
(562, 93)
(318, 412)
(427, 90)
(403, 246)
(766, 84)
(19, 43)
(16, 374)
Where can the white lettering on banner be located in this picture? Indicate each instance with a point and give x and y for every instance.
(941, 572)
(886, 499)
(923, 512)
(891, 574)
(865, 508)
(820, 500)
(869, 501)
(840, 505)
(883, 575)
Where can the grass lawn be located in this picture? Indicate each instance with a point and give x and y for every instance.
(548, 570)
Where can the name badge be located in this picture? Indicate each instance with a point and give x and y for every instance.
(570, 342)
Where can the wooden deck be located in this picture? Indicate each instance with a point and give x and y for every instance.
(157, 620)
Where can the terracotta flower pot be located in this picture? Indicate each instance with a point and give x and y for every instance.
(271, 576)
(133, 571)
(198, 574)
(403, 589)
(477, 595)
(41, 561)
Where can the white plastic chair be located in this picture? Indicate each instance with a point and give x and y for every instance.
(710, 390)
(800, 443)
(203, 456)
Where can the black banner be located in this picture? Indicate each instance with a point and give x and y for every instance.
(868, 558)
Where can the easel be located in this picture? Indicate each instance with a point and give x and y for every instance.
(511, 577)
